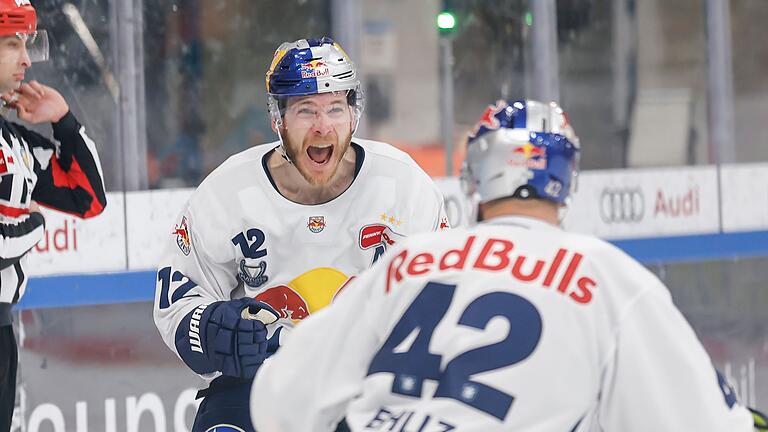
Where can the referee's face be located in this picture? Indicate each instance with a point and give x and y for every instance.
(14, 61)
(317, 132)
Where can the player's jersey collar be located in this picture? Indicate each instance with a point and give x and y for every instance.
(359, 159)
(522, 221)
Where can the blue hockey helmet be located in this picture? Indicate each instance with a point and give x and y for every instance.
(523, 149)
(311, 66)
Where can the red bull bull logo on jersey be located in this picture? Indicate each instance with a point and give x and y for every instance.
(315, 69)
(287, 302)
(316, 224)
(529, 156)
(182, 236)
(305, 294)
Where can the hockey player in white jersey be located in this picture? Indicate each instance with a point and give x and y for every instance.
(512, 325)
(278, 230)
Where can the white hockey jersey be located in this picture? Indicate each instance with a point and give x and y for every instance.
(513, 325)
(238, 236)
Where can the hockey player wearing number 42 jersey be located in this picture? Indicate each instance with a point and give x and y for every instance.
(278, 230)
(513, 325)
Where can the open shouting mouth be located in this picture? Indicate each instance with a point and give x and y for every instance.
(320, 154)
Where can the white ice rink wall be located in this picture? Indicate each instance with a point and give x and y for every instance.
(618, 205)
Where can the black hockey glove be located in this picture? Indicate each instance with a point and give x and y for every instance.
(226, 336)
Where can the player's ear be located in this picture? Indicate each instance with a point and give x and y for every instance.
(273, 123)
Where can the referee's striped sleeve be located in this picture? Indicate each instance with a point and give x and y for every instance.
(16, 239)
(69, 177)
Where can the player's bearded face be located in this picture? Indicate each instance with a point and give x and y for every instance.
(317, 133)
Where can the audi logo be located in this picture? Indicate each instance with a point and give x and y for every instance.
(622, 205)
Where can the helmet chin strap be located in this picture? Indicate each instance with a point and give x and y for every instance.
(281, 149)
(277, 119)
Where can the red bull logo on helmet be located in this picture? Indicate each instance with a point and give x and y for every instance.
(529, 156)
(182, 236)
(315, 69)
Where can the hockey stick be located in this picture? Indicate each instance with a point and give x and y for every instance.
(93, 49)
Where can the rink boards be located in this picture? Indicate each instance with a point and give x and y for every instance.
(630, 207)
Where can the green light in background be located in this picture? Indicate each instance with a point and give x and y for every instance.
(446, 21)
(528, 18)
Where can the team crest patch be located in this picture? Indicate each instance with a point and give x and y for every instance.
(182, 236)
(316, 224)
(253, 276)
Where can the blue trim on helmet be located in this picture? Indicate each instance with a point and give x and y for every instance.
(518, 115)
(286, 79)
(506, 116)
(494, 118)
(321, 41)
(552, 180)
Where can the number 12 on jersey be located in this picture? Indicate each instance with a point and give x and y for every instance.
(412, 367)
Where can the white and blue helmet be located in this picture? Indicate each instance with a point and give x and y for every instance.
(523, 149)
(311, 66)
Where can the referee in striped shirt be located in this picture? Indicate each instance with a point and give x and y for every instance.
(65, 175)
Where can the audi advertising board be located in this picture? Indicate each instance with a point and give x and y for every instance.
(744, 197)
(74, 245)
(620, 204)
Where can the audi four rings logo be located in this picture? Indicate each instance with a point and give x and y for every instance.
(622, 205)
